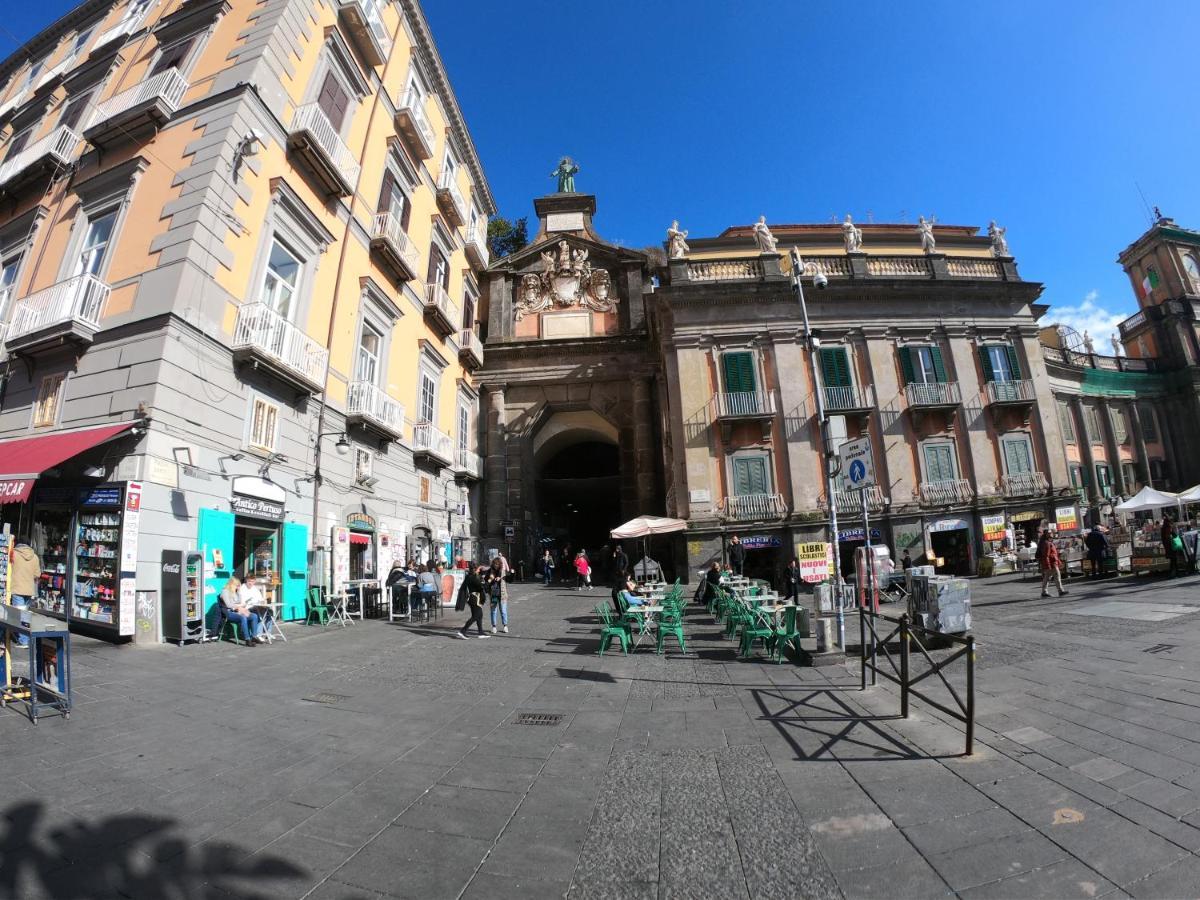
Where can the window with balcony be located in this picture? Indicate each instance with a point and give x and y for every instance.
(18, 143)
(1104, 479)
(9, 267)
(262, 432)
(1129, 474)
(73, 110)
(439, 267)
(370, 348)
(1149, 425)
(427, 398)
(81, 39)
(333, 100)
(922, 365)
(999, 363)
(835, 368)
(174, 56)
(31, 75)
(49, 397)
(1018, 455)
(941, 464)
(393, 200)
(95, 243)
(737, 371)
(464, 430)
(468, 317)
(751, 474)
(281, 280)
(1066, 422)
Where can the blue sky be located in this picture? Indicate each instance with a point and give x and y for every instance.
(1044, 116)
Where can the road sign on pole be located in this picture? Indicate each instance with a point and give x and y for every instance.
(858, 465)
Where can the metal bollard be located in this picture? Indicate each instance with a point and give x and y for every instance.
(904, 665)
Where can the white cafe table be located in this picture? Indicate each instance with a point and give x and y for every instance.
(646, 611)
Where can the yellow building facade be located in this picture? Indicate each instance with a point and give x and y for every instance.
(248, 232)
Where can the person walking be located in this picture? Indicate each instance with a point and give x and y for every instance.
(496, 589)
(620, 561)
(1170, 539)
(1096, 543)
(23, 574)
(581, 568)
(1050, 563)
(791, 581)
(548, 567)
(470, 597)
(737, 554)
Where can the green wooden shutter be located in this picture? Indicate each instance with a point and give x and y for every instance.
(906, 365)
(739, 373)
(295, 570)
(749, 476)
(1011, 352)
(939, 368)
(215, 532)
(939, 463)
(835, 368)
(986, 361)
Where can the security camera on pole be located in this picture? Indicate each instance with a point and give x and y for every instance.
(811, 344)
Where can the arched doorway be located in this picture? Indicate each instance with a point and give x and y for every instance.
(578, 484)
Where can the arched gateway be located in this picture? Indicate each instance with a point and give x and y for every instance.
(570, 387)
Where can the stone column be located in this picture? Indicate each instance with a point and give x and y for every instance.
(1111, 445)
(1139, 444)
(1084, 440)
(643, 445)
(495, 464)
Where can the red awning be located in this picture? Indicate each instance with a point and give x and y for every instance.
(356, 538)
(24, 459)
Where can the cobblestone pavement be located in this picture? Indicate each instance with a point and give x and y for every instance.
(387, 760)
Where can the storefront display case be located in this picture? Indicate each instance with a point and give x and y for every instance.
(80, 535)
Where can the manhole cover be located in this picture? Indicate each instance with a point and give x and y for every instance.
(327, 698)
(538, 719)
(1160, 648)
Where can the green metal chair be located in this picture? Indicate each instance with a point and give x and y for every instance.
(758, 627)
(316, 607)
(671, 623)
(610, 629)
(787, 633)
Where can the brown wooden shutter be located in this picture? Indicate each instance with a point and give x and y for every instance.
(172, 57)
(445, 270)
(434, 254)
(404, 216)
(468, 314)
(385, 192)
(333, 101)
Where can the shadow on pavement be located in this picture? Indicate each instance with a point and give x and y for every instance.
(118, 856)
(822, 727)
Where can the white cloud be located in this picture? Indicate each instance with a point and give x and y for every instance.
(1091, 317)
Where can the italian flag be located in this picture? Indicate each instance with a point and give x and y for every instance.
(1149, 283)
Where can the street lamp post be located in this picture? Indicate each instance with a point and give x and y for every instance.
(827, 455)
(343, 447)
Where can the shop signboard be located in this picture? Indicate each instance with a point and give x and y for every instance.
(948, 525)
(761, 541)
(256, 508)
(101, 495)
(1028, 515)
(360, 521)
(15, 490)
(993, 527)
(341, 557)
(856, 534)
(1066, 519)
(127, 590)
(816, 561)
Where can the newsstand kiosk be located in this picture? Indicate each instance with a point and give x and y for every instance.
(48, 685)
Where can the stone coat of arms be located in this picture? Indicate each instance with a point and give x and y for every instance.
(567, 279)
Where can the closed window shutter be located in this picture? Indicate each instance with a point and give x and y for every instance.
(172, 57)
(906, 365)
(834, 367)
(407, 211)
(986, 362)
(385, 193)
(939, 463)
(739, 373)
(1013, 365)
(741, 477)
(758, 476)
(435, 256)
(939, 368)
(333, 101)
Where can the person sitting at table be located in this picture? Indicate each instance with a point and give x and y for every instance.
(396, 580)
(251, 596)
(713, 579)
(247, 622)
(427, 585)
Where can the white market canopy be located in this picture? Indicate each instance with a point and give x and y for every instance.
(1191, 495)
(1148, 498)
(644, 526)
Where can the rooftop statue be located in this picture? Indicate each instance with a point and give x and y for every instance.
(762, 235)
(565, 173)
(999, 242)
(852, 235)
(925, 232)
(677, 246)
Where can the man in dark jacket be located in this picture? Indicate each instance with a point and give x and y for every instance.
(620, 562)
(737, 554)
(712, 579)
(1096, 544)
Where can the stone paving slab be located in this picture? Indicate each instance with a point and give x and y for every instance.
(686, 774)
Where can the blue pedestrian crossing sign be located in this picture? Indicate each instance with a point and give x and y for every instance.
(858, 466)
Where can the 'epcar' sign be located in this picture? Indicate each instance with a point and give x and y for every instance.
(15, 490)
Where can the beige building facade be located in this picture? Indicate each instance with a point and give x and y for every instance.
(250, 233)
(930, 352)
